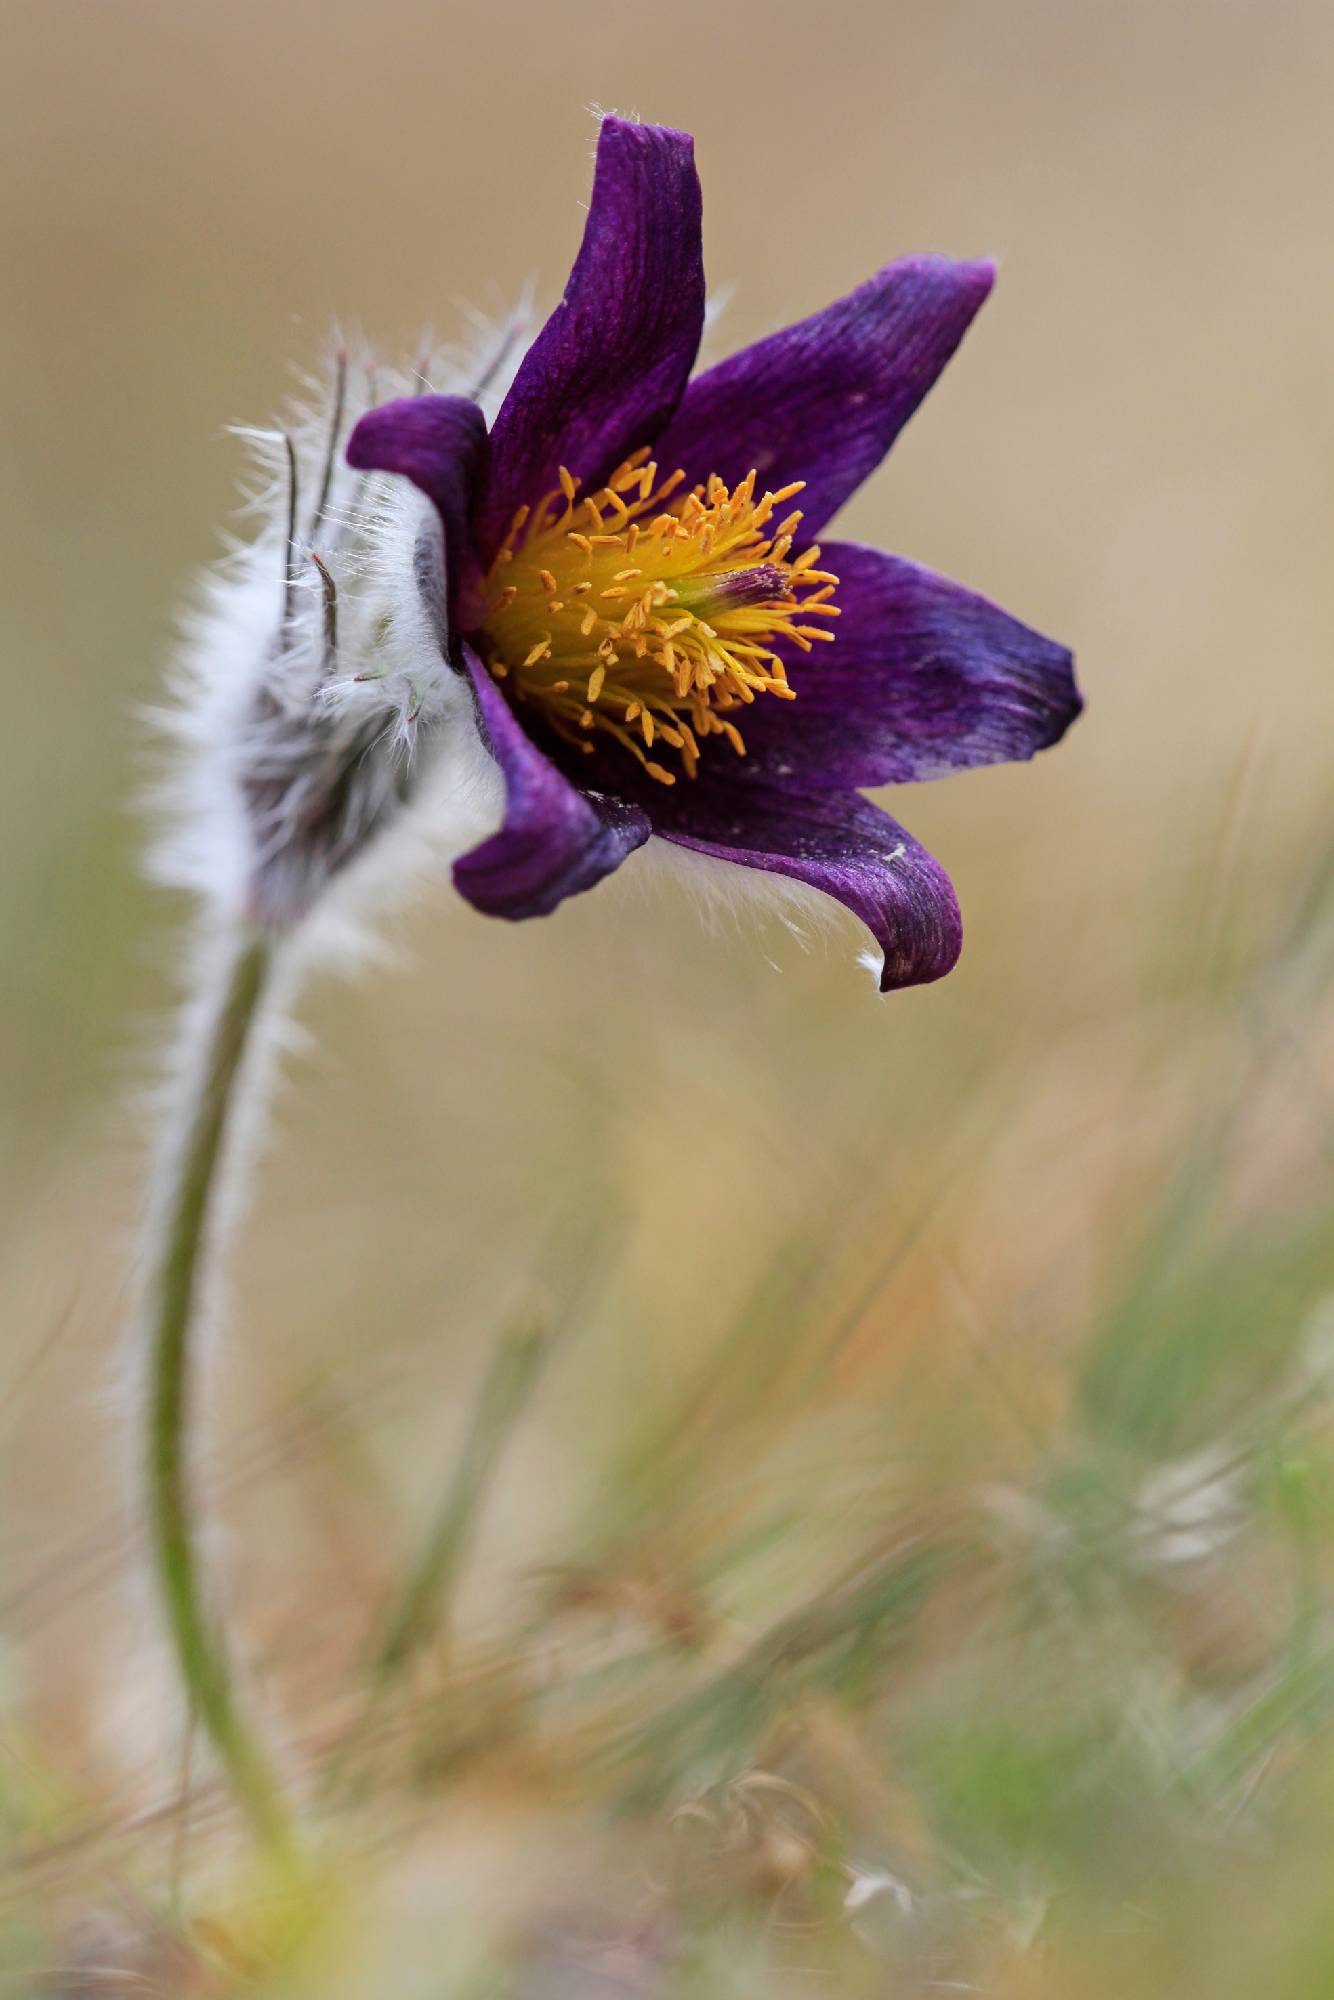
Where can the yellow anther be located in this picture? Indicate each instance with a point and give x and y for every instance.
(692, 630)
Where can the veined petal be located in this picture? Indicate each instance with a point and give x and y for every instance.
(923, 678)
(824, 400)
(838, 843)
(438, 442)
(555, 840)
(609, 366)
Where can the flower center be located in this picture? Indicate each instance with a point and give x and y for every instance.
(651, 614)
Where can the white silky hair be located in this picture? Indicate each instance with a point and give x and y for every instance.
(312, 653)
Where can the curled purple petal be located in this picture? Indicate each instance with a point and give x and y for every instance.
(439, 443)
(824, 400)
(555, 840)
(609, 366)
(923, 678)
(838, 843)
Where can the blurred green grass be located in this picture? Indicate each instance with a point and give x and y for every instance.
(911, 1569)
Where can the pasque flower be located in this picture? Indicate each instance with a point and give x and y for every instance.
(628, 579)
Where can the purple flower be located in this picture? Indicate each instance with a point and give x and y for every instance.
(654, 640)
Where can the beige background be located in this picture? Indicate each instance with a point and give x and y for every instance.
(1133, 451)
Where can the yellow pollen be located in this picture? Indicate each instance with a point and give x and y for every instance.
(665, 648)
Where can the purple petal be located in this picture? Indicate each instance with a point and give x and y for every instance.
(438, 443)
(923, 678)
(555, 840)
(824, 400)
(609, 366)
(838, 843)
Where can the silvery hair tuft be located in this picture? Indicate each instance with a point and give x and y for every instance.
(309, 696)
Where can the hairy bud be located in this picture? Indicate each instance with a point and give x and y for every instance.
(311, 692)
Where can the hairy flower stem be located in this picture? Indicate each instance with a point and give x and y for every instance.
(174, 1284)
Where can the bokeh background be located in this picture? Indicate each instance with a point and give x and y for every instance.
(912, 1564)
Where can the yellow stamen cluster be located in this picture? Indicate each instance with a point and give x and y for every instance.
(649, 612)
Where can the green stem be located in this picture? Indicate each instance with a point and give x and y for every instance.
(174, 1286)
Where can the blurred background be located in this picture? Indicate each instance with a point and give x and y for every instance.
(909, 1569)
